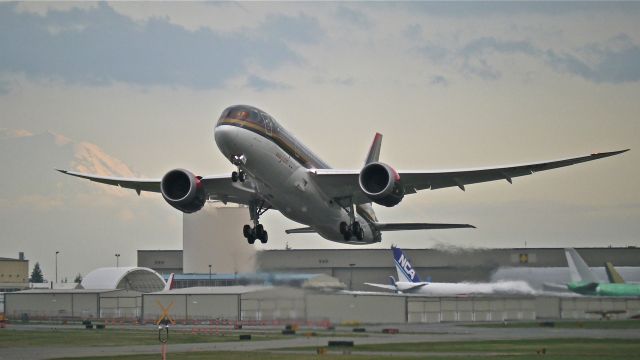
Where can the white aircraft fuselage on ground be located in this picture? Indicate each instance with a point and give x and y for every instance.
(276, 171)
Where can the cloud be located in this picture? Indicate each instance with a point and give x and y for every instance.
(261, 84)
(553, 8)
(301, 29)
(438, 80)
(98, 46)
(353, 17)
(617, 60)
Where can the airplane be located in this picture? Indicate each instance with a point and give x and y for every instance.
(276, 171)
(170, 283)
(584, 282)
(409, 283)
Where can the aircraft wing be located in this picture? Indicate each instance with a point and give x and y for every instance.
(219, 187)
(340, 184)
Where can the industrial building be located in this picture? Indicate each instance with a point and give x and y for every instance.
(266, 304)
(103, 293)
(161, 261)
(354, 267)
(14, 273)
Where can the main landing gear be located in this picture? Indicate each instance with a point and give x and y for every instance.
(257, 231)
(353, 228)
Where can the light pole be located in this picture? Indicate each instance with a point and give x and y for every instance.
(57, 252)
(117, 260)
(209, 274)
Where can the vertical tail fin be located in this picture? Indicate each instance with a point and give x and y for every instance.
(612, 274)
(578, 269)
(170, 283)
(404, 267)
(374, 151)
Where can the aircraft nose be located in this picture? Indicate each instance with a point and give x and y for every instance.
(225, 137)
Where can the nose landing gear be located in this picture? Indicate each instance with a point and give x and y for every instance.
(239, 175)
(257, 231)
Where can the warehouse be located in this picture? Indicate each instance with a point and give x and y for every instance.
(104, 293)
(70, 304)
(260, 303)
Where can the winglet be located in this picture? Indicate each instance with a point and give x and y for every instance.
(374, 150)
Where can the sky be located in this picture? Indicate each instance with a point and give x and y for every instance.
(134, 89)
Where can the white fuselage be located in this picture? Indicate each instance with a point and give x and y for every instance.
(284, 183)
(462, 289)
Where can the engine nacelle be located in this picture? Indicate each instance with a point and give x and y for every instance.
(183, 190)
(381, 183)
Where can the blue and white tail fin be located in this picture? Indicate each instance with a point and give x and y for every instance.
(406, 272)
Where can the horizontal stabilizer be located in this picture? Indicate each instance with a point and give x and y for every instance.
(419, 226)
(304, 230)
(383, 286)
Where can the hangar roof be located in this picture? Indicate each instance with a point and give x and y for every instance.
(130, 278)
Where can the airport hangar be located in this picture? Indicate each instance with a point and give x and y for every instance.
(305, 302)
(212, 243)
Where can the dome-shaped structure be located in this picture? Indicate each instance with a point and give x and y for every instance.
(130, 278)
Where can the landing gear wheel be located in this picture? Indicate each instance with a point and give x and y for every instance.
(360, 234)
(264, 238)
(246, 231)
(347, 235)
(242, 176)
(234, 176)
(343, 227)
(251, 239)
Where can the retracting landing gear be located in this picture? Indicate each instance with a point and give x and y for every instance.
(239, 175)
(257, 231)
(353, 228)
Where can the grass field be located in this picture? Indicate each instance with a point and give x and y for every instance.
(555, 349)
(598, 324)
(111, 337)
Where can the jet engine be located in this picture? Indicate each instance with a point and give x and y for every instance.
(381, 183)
(183, 190)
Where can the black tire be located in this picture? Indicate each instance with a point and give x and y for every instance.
(234, 176)
(251, 240)
(343, 227)
(259, 231)
(264, 238)
(355, 228)
(360, 234)
(347, 235)
(246, 231)
(242, 176)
